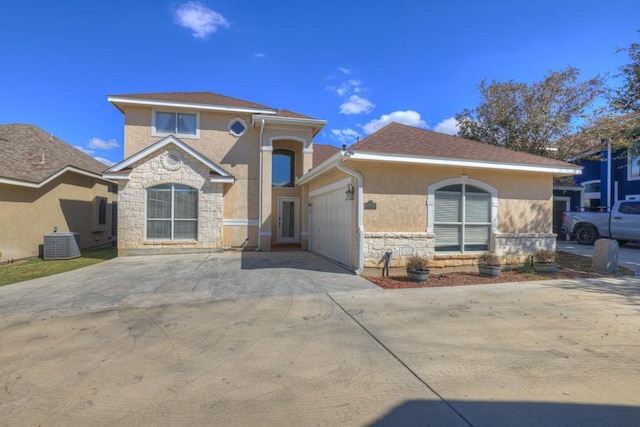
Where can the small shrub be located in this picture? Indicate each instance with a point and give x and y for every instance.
(417, 263)
(544, 256)
(489, 258)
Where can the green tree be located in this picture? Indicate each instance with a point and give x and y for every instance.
(535, 117)
(626, 98)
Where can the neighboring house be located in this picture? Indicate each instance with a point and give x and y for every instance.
(46, 183)
(608, 176)
(205, 172)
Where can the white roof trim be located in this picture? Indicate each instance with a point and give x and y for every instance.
(117, 177)
(163, 143)
(288, 120)
(189, 105)
(52, 177)
(399, 158)
(223, 179)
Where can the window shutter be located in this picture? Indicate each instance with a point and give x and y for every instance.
(448, 206)
(478, 207)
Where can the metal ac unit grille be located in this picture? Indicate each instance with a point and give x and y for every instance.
(61, 245)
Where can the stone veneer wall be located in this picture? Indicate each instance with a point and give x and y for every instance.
(403, 245)
(132, 195)
(515, 248)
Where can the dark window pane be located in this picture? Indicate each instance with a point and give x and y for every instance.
(283, 166)
(102, 211)
(237, 127)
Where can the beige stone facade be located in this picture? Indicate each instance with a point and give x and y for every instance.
(152, 171)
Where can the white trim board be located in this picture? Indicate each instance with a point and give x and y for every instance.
(240, 222)
(331, 187)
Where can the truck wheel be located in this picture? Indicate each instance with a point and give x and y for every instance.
(586, 235)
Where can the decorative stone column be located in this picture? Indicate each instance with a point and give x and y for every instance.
(265, 226)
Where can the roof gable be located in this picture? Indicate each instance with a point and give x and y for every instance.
(401, 139)
(118, 171)
(28, 153)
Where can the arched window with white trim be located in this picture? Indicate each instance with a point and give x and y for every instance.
(462, 215)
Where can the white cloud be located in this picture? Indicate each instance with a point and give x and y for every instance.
(84, 150)
(260, 55)
(449, 126)
(346, 136)
(409, 117)
(101, 144)
(345, 70)
(356, 105)
(105, 161)
(200, 19)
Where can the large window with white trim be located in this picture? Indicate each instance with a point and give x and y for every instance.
(175, 123)
(172, 212)
(462, 218)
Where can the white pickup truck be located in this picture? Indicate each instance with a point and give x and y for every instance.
(621, 224)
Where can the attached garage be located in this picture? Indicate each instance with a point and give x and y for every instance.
(330, 222)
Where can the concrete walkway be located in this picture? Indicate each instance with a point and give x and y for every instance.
(177, 341)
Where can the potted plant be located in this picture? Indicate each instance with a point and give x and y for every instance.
(417, 270)
(544, 261)
(489, 265)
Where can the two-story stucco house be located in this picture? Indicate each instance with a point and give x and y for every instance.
(204, 172)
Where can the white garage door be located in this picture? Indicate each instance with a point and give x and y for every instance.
(331, 226)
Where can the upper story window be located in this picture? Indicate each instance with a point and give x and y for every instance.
(237, 127)
(283, 168)
(175, 123)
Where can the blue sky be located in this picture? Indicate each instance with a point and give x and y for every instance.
(355, 64)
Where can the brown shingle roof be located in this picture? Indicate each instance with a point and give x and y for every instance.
(208, 98)
(287, 113)
(401, 139)
(23, 148)
(322, 152)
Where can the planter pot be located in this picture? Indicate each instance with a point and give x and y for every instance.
(420, 276)
(489, 270)
(545, 267)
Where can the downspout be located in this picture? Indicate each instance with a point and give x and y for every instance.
(609, 186)
(359, 213)
(260, 193)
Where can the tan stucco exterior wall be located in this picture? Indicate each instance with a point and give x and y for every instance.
(151, 171)
(68, 202)
(400, 193)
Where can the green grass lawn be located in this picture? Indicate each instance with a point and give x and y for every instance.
(34, 268)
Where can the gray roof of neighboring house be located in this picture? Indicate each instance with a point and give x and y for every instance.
(28, 153)
(208, 98)
(401, 139)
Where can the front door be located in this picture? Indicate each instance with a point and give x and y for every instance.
(288, 220)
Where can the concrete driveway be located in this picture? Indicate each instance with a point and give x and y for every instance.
(265, 339)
